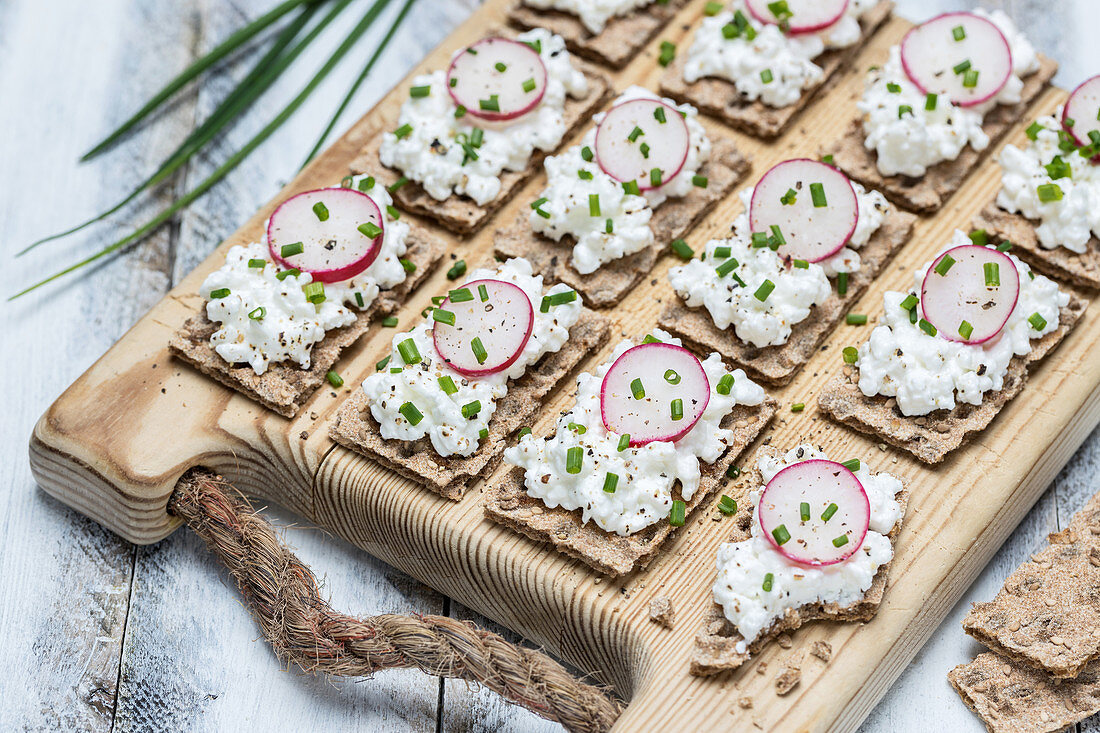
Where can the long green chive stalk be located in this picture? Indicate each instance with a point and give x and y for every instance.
(234, 160)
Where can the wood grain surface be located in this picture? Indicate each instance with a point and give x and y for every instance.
(112, 636)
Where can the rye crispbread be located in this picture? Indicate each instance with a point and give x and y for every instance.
(928, 192)
(1060, 263)
(720, 98)
(606, 552)
(617, 44)
(285, 387)
(931, 437)
(671, 220)
(450, 476)
(777, 365)
(1010, 698)
(717, 640)
(1047, 615)
(461, 214)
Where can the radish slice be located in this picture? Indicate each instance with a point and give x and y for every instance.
(497, 79)
(815, 512)
(654, 392)
(960, 55)
(956, 299)
(330, 230)
(817, 220)
(492, 324)
(1083, 107)
(640, 136)
(804, 16)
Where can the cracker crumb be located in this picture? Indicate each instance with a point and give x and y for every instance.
(661, 611)
(787, 680)
(744, 703)
(822, 650)
(784, 640)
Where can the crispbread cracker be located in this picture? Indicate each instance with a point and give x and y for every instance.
(461, 214)
(1047, 615)
(931, 437)
(1060, 263)
(777, 365)
(450, 476)
(927, 193)
(606, 552)
(617, 44)
(717, 640)
(285, 387)
(720, 98)
(671, 220)
(1010, 698)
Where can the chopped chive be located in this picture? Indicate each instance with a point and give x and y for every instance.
(390, 322)
(655, 177)
(798, 407)
(524, 431)
(624, 442)
(712, 8)
(460, 112)
(777, 234)
(817, 194)
(447, 384)
(334, 379)
(471, 409)
(346, 181)
(257, 314)
(257, 263)
(725, 384)
(610, 481)
(840, 541)
(366, 184)
(289, 250)
(462, 295)
(408, 351)
(1037, 321)
(851, 464)
(1058, 168)
(457, 270)
(802, 265)
(637, 389)
(574, 458)
(678, 514)
(413, 415)
(766, 76)
(727, 267)
(635, 134)
(733, 472)
(500, 66)
(583, 175)
(979, 237)
(966, 330)
(904, 109)
(677, 409)
(668, 53)
(970, 79)
(700, 181)
(586, 153)
(827, 159)
(727, 505)
(577, 428)
(593, 204)
(767, 584)
(562, 298)
(927, 327)
(764, 290)
(403, 132)
(681, 249)
(893, 88)
(842, 283)
(671, 376)
(609, 226)
(1033, 131)
(396, 185)
(789, 198)
(781, 535)
(483, 292)
(910, 302)
(1004, 246)
(930, 102)
(382, 363)
(483, 433)
(407, 265)
(537, 203)
(992, 274)
(315, 292)
(492, 104)
(804, 511)
(441, 316)
(829, 512)
(850, 354)
(529, 85)
(958, 33)
(423, 91)
(370, 230)
(1049, 192)
(962, 67)
(479, 350)
(944, 265)
(631, 188)
(651, 339)
(659, 114)
(393, 212)
(219, 293)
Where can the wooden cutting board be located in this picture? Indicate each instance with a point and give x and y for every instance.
(115, 443)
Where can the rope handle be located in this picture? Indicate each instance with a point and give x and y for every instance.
(283, 596)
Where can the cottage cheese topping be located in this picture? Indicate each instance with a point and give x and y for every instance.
(643, 495)
(739, 587)
(564, 206)
(910, 142)
(290, 325)
(418, 383)
(927, 373)
(766, 64)
(731, 299)
(1069, 222)
(432, 154)
(594, 14)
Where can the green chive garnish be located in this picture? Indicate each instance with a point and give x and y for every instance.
(804, 511)
(668, 53)
(390, 322)
(829, 512)
(725, 384)
(992, 274)
(781, 535)
(574, 458)
(677, 409)
(289, 250)
(470, 409)
(671, 376)
(609, 226)
(733, 472)
(632, 188)
(610, 481)
(524, 431)
(382, 363)
(699, 181)
(910, 302)
(840, 541)
(257, 263)
(457, 270)
(1037, 321)
(483, 292)
(500, 66)
(219, 293)
(727, 505)
(930, 102)
(817, 194)
(962, 67)
(655, 177)
(1049, 192)
(1004, 246)
(904, 109)
(257, 314)
(462, 295)
(1033, 131)
(396, 185)
(593, 204)
(624, 442)
(766, 76)
(681, 249)
(798, 407)
(423, 91)
(403, 132)
(851, 464)
(441, 316)
(659, 114)
(850, 354)
(315, 292)
(970, 79)
(801, 264)
(334, 379)
(944, 265)
(678, 514)
(492, 104)
(587, 154)
(764, 290)
(637, 389)
(562, 298)
(447, 385)
(479, 350)
(408, 351)
(965, 330)
(767, 584)
(413, 415)
(727, 267)
(958, 33)
(842, 283)
(370, 230)
(789, 198)
(927, 327)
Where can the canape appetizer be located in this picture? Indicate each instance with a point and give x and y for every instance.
(950, 352)
(649, 437)
(818, 545)
(1049, 202)
(950, 89)
(279, 311)
(807, 245)
(639, 179)
(454, 388)
(469, 135)
(757, 63)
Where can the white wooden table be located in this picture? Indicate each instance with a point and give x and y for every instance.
(100, 635)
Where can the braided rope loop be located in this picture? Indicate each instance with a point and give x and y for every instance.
(284, 598)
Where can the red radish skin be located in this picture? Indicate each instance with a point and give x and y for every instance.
(807, 16)
(473, 77)
(819, 483)
(503, 322)
(334, 250)
(930, 53)
(812, 233)
(649, 419)
(962, 295)
(1083, 107)
(667, 142)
